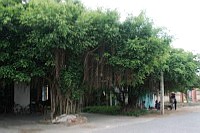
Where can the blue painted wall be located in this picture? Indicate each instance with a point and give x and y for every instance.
(149, 100)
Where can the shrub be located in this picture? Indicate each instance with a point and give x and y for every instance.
(114, 110)
(111, 110)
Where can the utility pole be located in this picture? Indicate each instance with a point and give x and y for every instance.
(162, 93)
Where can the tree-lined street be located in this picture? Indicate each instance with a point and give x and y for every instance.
(57, 57)
(87, 57)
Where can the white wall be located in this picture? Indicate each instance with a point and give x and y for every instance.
(22, 94)
(166, 98)
(178, 97)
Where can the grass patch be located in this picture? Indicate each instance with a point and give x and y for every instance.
(111, 110)
(115, 110)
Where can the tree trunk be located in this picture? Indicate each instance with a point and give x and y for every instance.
(60, 104)
(52, 103)
(132, 98)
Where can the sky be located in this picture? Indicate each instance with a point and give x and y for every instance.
(180, 17)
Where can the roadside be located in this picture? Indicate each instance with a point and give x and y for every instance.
(31, 124)
(181, 108)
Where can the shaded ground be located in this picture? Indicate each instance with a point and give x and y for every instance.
(32, 123)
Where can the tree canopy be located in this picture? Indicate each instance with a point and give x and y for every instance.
(182, 70)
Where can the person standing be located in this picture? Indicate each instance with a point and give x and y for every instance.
(156, 104)
(175, 102)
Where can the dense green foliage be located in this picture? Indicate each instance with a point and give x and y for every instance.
(140, 50)
(182, 70)
(76, 51)
(115, 110)
(111, 110)
(15, 64)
